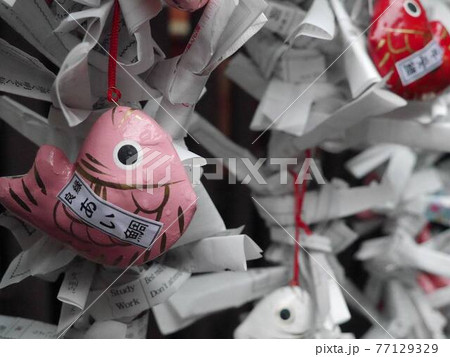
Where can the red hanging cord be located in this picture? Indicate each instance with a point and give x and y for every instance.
(299, 195)
(114, 93)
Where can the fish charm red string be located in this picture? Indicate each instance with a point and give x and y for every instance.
(114, 93)
(299, 196)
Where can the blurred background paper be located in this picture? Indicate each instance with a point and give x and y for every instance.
(360, 70)
(24, 75)
(250, 81)
(318, 23)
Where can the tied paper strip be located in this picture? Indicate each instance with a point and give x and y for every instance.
(440, 298)
(321, 123)
(282, 253)
(206, 222)
(318, 23)
(266, 50)
(410, 314)
(80, 83)
(136, 329)
(106, 330)
(419, 125)
(242, 71)
(18, 328)
(341, 236)
(69, 6)
(214, 254)
(433, 320)
(44, 257)
(275, 58)
(23, 75)
(91, 3)
(72, 90)
(401, 250)
(332, 309)
(359, 67)
(71, 315)
(375, 101)
(301, 66)
(399, 311)
(25, 235)
(334, 200)
(154, 286)
(399, 171)
(329, 202)
(297, 119)
(283, 18)
(76, 285)
(39, 130)
(333, 239)
(35, 22)
(137, 15)
(222, 147)
(181, 80)
(209, 293)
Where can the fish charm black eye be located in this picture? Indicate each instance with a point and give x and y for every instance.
(285, 314)
(412, 8)
(127, 154)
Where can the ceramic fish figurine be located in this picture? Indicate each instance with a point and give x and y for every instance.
(187, 5)
(285, 313)
(416, 51)
(127, 191)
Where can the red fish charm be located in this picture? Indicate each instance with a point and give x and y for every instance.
(126, 192)
(416, 51)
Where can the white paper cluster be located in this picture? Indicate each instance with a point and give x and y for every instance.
(100, 302)
(314, 91)
(317, 87)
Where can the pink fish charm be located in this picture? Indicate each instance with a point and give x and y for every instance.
(127, 191)
(187, 5)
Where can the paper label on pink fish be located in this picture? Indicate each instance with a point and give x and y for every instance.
(107, 217)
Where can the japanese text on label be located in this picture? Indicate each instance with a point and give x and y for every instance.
(108, 218)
